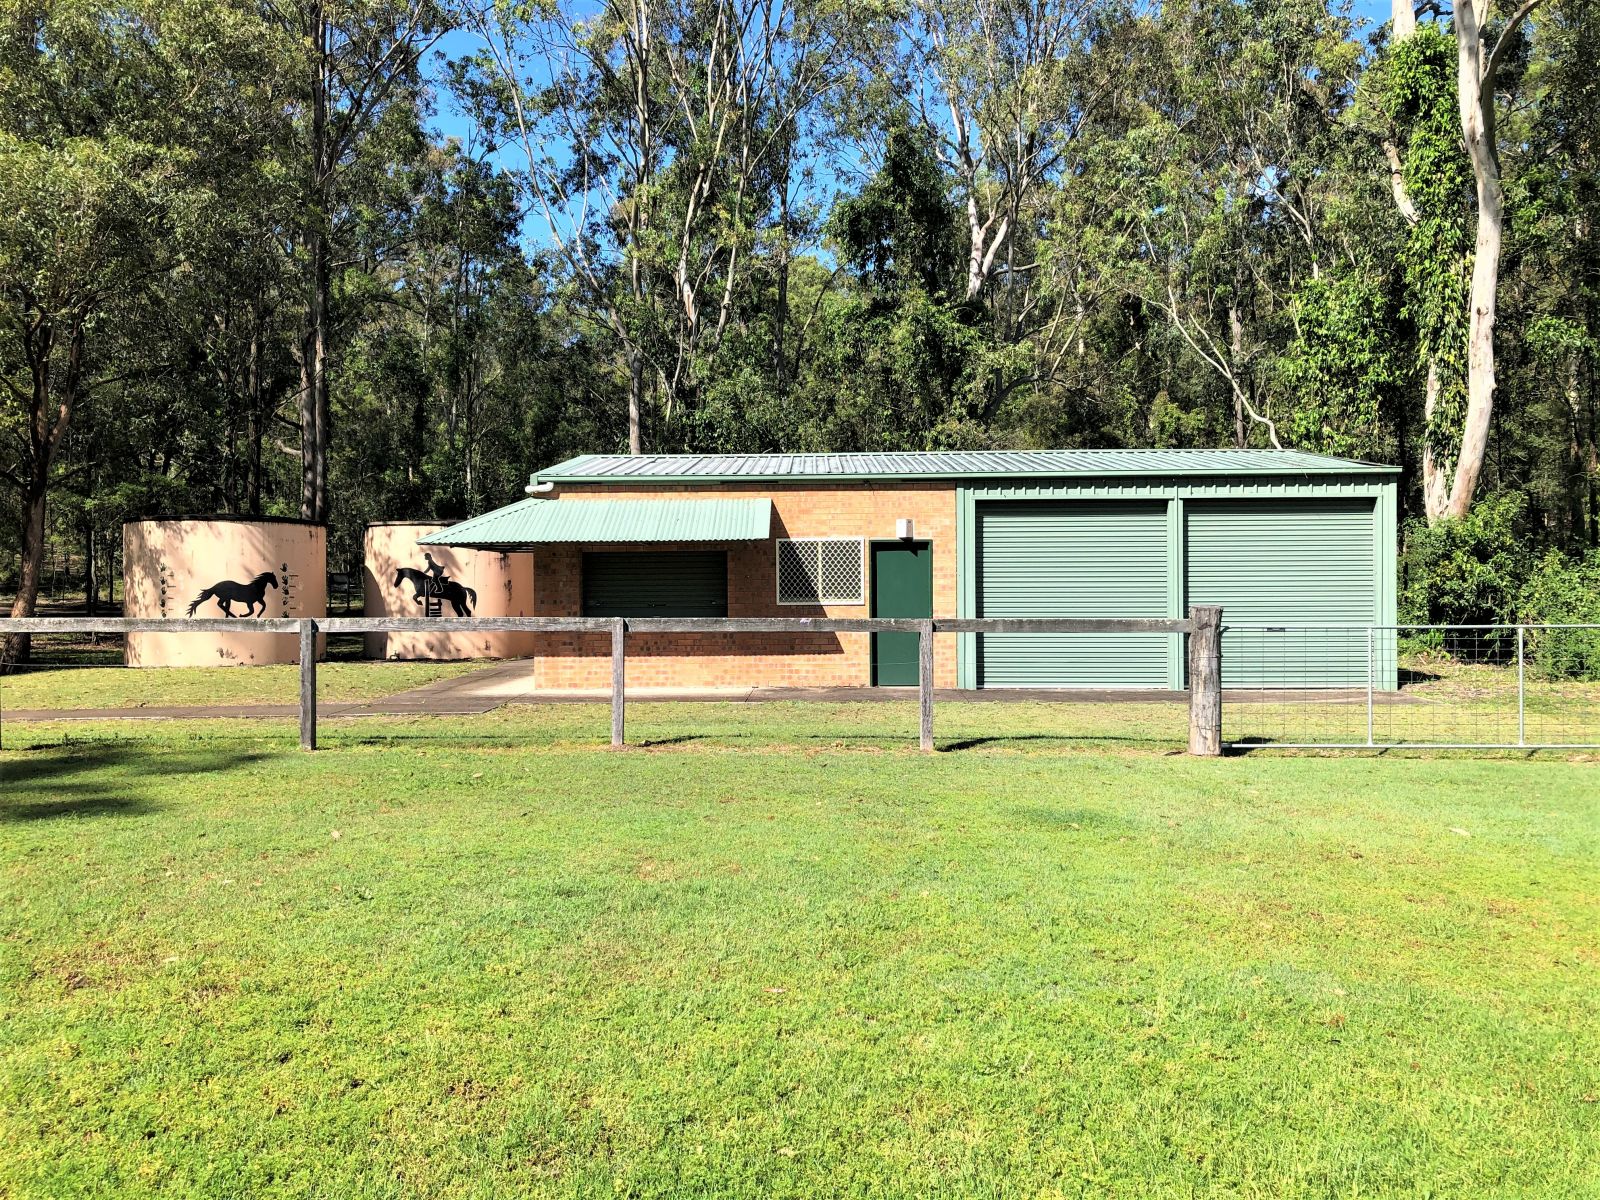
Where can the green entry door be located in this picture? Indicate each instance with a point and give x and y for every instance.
(902, 586)
(1073, 558)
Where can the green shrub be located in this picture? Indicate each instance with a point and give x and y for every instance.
(1466, 572)
(1562, 591)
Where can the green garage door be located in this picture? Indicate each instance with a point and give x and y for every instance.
(1080, 558)
(655, 583)
(1286, 563)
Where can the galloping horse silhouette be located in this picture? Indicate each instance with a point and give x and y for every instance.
(228, 593)
(461, 598)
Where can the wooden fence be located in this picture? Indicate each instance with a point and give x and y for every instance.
(1203, 626)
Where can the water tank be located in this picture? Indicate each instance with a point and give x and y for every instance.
(221, 567)
(403, 579)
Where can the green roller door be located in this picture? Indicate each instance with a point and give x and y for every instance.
(655, 583)
(1288, 563)
(1075, 558)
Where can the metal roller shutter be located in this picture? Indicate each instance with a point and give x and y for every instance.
(658, 583)
(1081, 558)
(1289, 563)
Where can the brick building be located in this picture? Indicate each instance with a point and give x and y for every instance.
(1274, 536)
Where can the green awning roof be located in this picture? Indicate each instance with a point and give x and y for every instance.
(532, 521)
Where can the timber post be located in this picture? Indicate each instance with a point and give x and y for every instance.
(925, 683)
(1205, 680)
(619, 632)
(308, 683)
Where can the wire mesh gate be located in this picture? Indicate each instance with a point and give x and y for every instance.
(1412, 686)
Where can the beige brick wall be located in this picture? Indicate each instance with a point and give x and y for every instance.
(846, 509)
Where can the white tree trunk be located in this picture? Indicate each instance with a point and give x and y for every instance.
(1475, 84)
(1435, 475)
(1404, 20)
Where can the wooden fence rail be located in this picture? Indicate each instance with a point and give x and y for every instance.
(1203, 625)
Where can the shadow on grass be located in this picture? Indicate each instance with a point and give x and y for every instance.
(600, 740)
(89, 806)
(87, 780)
(1065, 740)
(751, 740)
(1066, 818)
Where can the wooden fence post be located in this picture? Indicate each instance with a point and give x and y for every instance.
(308, 684)
(1205, 681)
(925, 682)
(618, 672)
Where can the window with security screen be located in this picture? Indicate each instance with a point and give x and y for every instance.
(822, 571)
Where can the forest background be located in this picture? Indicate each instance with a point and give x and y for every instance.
(379, 259)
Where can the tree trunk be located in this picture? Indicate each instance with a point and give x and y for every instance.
(985, 238)
(1404, 19)
(232, 491)
(1584, 465)
(18, 646)
(1476, 100)
(1480, 351)
(780, 312)
(110, 573)
(51, 408)
(314, 408)
(91, 573)
(314, 417)
(1435, 475)
(252, 499)
(635, 401)
(1236, 345)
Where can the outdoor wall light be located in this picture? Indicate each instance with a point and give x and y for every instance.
(904, 530)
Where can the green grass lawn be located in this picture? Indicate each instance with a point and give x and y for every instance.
(777, 952)
(123, 687)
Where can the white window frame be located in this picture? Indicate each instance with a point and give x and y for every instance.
(777, 582)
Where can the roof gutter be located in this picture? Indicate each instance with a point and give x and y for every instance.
(545, 478)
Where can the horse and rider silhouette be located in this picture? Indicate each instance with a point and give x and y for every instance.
(228, 593)
(432, 581)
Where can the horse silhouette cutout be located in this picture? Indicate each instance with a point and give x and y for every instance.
(461, 598)
(228, 593)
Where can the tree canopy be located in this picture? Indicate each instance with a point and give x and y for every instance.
(378, 260)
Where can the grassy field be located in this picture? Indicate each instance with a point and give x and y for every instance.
(120, 687)
(776, 952)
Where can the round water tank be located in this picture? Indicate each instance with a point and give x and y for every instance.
(403, 579)
(221, 567)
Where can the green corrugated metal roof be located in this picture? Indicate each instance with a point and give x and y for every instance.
(531, 521)
(956, 464)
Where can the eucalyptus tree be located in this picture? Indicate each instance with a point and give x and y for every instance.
(1483, 50)
(1001, 88)
(1220, 174)
(235, 309)
(351, 62)
(658, 138)
(899, 354)
(1430, 181)
(1549, 305)
(1445, 84)
(104, 164)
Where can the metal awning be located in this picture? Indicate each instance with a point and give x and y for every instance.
(534, 521)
